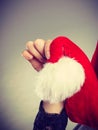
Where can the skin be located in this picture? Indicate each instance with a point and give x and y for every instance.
(37, 52)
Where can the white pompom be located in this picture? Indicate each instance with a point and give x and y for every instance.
(60, 80)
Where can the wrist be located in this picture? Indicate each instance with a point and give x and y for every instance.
(53, 107)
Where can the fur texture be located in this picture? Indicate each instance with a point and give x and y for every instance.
(60, 80)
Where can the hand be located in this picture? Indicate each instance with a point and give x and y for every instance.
(37, 52)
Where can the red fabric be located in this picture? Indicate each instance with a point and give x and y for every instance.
(82, 107)
(94, 60)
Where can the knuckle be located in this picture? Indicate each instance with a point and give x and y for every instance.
(39, 41)
(29, 43)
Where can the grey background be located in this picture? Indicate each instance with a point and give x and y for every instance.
(23, 20)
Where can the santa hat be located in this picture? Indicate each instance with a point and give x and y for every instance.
(68, 75)
(94, 60)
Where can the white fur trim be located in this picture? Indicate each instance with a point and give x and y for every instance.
(58, 81)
